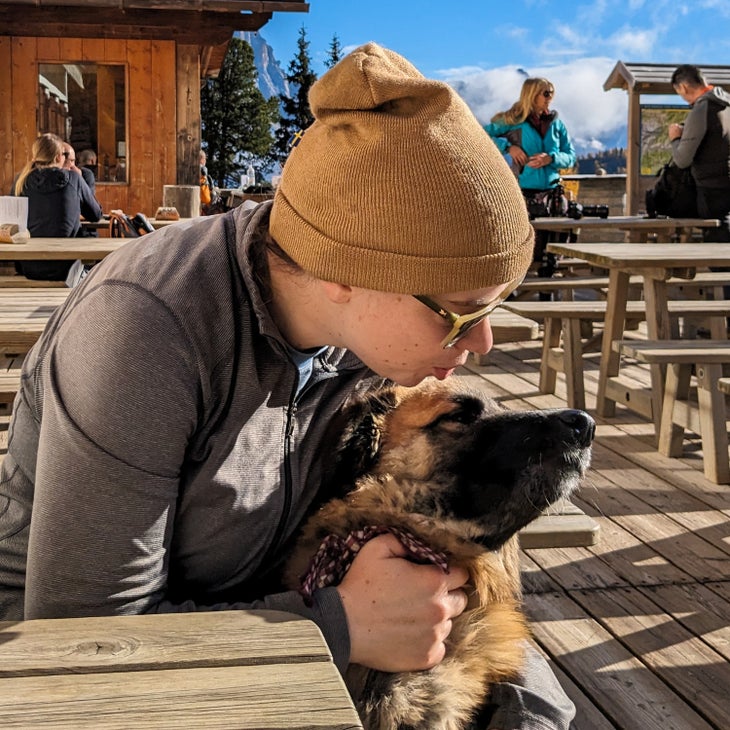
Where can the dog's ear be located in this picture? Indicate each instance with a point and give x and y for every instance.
(357, 430)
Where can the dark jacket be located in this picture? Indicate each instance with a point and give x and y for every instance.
(705, 142)
(57, 199)
(89, 178)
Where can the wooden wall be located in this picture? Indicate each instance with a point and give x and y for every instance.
(159, 150)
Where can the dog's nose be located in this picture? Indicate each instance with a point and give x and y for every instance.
(581, 424)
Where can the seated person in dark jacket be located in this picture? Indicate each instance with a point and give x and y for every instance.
(86, 161)
(57, 199)
(70, 163)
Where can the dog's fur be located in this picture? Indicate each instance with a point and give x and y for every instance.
(462, 474)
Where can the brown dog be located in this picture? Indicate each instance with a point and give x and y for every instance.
(447, 466)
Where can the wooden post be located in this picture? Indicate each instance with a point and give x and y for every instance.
(186, 198)
(188, 114)
(633, 155)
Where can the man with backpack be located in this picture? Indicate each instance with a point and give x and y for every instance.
(702, 143)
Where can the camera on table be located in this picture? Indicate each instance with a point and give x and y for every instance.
(577, 211)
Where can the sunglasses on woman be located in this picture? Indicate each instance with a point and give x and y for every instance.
(548, 93)
(462, 323)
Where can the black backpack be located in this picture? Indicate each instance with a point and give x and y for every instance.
(674, 194)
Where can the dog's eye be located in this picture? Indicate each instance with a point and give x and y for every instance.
(459, 417)
(466, 412)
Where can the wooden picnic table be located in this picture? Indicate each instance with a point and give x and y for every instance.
(89, 249)
(638, 227)
(655, 263)
(218, 669)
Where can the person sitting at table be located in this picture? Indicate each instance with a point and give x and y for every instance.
(170, 433)
(57, 198)
(69, 163)
(87, 160)
(540, 146)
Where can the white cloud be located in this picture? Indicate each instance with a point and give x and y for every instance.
(595, 118)
(629, 42)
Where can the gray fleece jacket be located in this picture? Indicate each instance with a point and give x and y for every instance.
(705, 142)
(158, 440)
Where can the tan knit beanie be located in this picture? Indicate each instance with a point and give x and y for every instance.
(396, 187)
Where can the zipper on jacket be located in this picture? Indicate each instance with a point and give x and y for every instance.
(288, 488)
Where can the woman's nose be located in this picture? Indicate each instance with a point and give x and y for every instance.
(479, 338)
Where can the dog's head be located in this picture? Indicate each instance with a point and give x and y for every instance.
(460, 457)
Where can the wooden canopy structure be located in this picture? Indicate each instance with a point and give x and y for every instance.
(161, 48)
(643, 79)
(208, 23)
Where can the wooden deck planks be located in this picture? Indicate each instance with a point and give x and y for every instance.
(619, 684)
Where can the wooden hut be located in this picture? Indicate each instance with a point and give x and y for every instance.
(648, 79)
(121, 77)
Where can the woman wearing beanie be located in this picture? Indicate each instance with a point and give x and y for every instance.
(169, 435)
(540, 146)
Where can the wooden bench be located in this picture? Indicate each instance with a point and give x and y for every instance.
(24, 314)
(562, 322)
(701, 409)
(508, 327)
(561, 525)
(565, 286)
(15, 281)
(9, 385)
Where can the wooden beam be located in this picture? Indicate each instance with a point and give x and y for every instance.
(217, 6)
(183, 26)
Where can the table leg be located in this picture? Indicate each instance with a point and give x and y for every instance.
(713, 429)
(618, 292)
(658, 327)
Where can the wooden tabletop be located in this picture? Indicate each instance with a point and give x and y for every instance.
(104, 223)
(92, 249)
(242, 669)
(623, 222)
(642, 256)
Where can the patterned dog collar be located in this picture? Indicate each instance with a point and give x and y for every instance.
(335, 555)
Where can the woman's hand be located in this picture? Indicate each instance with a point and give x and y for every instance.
(539, 160)
(517, 154)
(399, 613)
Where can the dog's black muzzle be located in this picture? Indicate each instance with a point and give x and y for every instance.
(578, 426)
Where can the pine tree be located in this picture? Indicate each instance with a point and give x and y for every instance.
(334, 52)
(236, 118)
(296, 115)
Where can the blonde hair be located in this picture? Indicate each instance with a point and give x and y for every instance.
(45, 151)
(522, 108)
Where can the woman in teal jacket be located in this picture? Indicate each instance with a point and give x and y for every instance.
(539, 145)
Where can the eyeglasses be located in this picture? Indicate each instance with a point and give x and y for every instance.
(462, 323)
(547, 93)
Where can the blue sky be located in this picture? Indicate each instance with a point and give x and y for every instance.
(480, 46)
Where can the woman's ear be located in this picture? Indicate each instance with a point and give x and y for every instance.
(336, 293)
